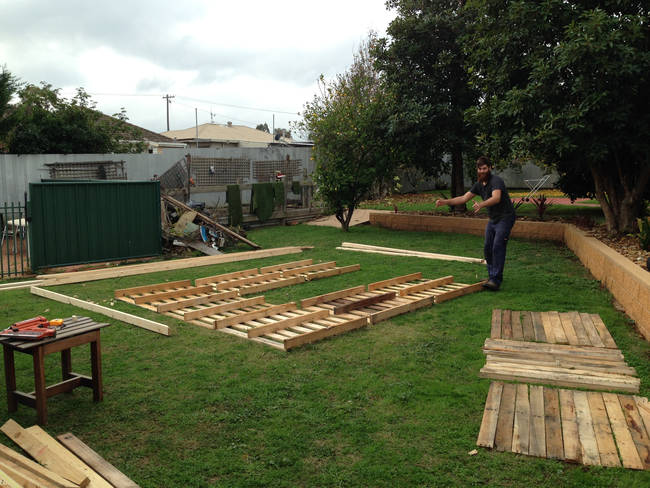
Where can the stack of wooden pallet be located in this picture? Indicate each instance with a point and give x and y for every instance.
(591, 428)
(66, 463)
(573, 350)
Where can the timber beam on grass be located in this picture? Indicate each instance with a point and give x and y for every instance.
(211, 222)
(586, 427)
(93, 307)
(352, 246)
(137, 269)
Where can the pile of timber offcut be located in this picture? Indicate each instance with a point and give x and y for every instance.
(587, 427)
(389, 251)
(574, 328)
(66, 463)
(590, 367)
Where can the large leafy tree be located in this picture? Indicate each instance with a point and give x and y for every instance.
(567, 84)
(348, 121)
(424, 64)
(9, 84)
(44, 122)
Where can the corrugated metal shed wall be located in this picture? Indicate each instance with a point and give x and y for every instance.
(82, 222)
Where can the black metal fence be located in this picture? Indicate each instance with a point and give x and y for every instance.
(14, 248)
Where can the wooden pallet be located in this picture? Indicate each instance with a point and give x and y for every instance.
(574, 328)
(277, 276)
(587, 427)
(590, 367)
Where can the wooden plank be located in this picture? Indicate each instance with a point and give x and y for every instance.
(318, 335)
(106, 470)
(602, 430)
(521, 430)
(588, 444)
(248, 316)
(93, 307)
(283, 266)
(43, 454)
(505, 424)
(495, 330)
(581, 351)
(163, 295)
(581, 333)
(636, 428)
(540, 334)
(309, 269)
(226, 276)
(286, 323)
(644, 411)
(604, 334)
(557, 361)
(527, 326)
(490, 415)
(537, 444)
(136, 269)
(569, 331)
(328, 297)
(281, 283)
(136, 290)
(465, 290)
(554, 444)
(548, 328)
(394, 281)
(558, 330)
(591, 330)
(190, 302)
(364, 302)
(8, 478)
(570, 436)
(506, 325)
(391, 312)
(209, 221)
(626, 448)
(317, 275)
(428, 285)
(34, 469)
(351, 246)
(223, 307)
(517, 329)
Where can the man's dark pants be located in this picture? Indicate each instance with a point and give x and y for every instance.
(496, 240)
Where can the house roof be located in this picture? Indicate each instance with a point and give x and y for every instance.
(144, 134)
(221, 133)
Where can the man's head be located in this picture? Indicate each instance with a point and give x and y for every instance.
(483, 168)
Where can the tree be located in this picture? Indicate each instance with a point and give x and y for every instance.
(279, 132)
(8, 87)
(348, 122)
(263, 127)
(424, 64)
(567, 85)
(44, 122)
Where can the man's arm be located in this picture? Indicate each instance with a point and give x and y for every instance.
(461, 200)
(493, 200)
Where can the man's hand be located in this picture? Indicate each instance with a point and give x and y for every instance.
(477, 207)
(439, 203)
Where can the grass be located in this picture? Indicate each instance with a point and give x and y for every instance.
(397, 404)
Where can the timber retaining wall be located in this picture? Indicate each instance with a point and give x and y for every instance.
(627, 282)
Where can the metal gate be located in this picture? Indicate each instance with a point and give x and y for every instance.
(14, 248)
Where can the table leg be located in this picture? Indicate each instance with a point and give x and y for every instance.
(39, 385)
(10, 378)
(96, 365)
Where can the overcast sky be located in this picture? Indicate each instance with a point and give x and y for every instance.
(214, 55)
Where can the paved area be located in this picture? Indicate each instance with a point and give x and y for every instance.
(359, 216)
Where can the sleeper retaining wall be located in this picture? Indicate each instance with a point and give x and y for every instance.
(626, 281)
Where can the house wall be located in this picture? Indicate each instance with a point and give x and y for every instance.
(17, 171)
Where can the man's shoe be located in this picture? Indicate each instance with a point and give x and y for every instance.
(491, 285)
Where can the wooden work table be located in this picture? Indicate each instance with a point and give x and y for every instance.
(76, 331)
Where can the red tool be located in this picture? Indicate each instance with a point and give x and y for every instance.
(30, 329)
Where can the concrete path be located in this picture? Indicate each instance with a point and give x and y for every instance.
(359, 216)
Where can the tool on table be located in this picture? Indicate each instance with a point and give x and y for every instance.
(33, 329)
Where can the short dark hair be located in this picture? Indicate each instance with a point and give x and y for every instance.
(483, 161)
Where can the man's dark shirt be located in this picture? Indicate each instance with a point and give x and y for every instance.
(501, 209)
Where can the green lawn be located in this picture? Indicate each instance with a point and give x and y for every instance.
(397, 404)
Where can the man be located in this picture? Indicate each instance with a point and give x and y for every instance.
(501, 211)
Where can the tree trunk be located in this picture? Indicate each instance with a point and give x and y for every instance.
(620, 196)
(457, 178)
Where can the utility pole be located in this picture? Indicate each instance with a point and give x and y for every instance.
(168, 97)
